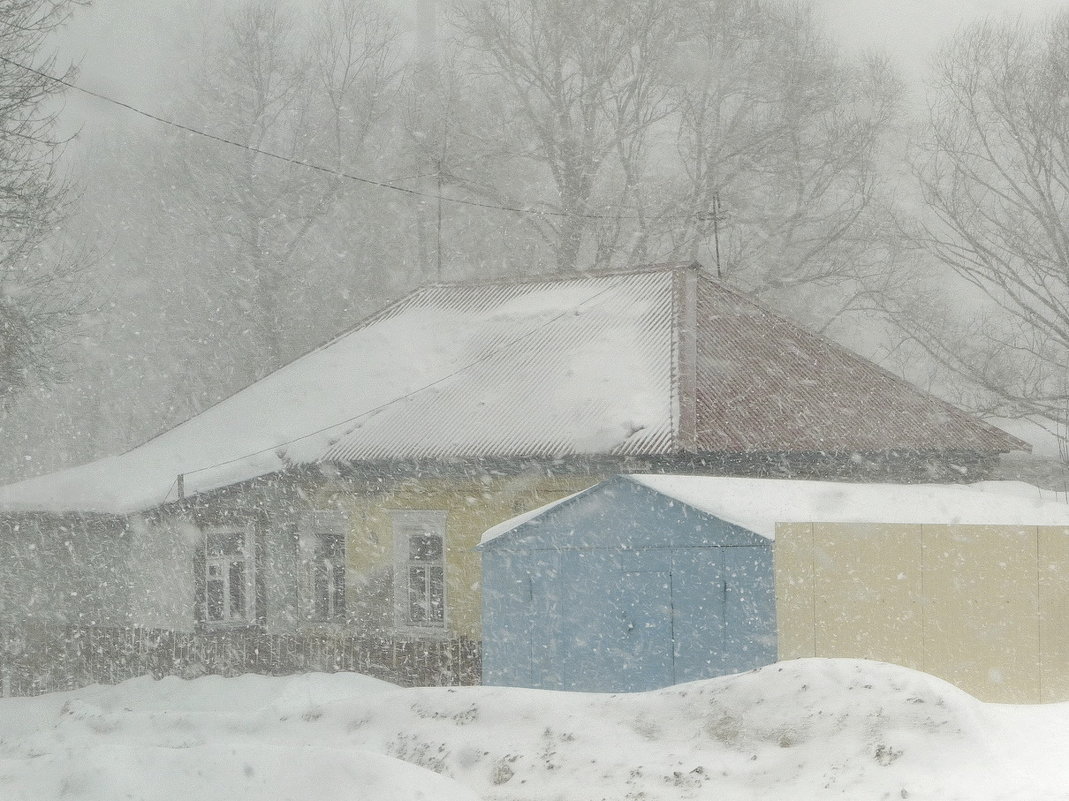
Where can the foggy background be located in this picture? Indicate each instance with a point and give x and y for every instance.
(180, 314)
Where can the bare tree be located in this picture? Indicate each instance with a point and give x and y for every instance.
(725, 130)
(779, 139)
(228, 261)
(994, 170)
(575, 88)
(306, 93)
(40, 291)
(456, 146)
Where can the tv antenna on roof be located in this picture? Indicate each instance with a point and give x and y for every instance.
(714, 215)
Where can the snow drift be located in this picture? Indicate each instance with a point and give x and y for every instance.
(804, 729)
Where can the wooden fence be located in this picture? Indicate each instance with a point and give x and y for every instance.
(48, 659)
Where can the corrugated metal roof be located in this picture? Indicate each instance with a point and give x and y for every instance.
(545, 368)
(766, 384)
(539, 368)
(587, 365)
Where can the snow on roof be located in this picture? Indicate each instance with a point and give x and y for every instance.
(586, 365)
(547, 368)
(759, 504)
(506, 526)
(1046, 436)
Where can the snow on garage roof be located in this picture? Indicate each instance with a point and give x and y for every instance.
(759, 504)
(585, 365)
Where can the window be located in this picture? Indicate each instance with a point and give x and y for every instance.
(229, 580)
(321, 547)
(419, 569)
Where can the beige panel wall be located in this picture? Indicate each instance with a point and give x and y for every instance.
(794, 590)
(982, 610)
(1053, 573)
(867, 592)
(985, 607)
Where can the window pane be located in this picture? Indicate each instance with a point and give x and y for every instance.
(417, 594)
(436, 594)
(425, 548)
(225, 543)
(333, 547)
(322, 587)
(214, 597)
(237, 590)
(339, 591)
(321, 591)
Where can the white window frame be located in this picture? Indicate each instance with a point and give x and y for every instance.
(218, 569)
(408, 523)
(314, 529)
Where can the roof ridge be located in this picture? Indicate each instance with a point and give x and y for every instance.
(571, 275)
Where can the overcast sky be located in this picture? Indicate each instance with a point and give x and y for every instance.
(910, 31)
(122, 45)
(119, 42)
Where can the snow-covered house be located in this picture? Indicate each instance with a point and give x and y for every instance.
(347, 490)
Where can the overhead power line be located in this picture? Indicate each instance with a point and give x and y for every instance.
(303, 163)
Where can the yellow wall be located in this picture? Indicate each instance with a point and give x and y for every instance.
(471, 507)
(876, 613)
(1053, 579)
(984, 607)
(794, 590)
(982, 610)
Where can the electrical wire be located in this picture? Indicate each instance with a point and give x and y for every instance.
(309, 164)
(352, 177)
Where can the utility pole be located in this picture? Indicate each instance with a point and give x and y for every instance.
(427, 60)
(716, 231)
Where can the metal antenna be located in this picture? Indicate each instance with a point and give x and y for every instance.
(714, 215)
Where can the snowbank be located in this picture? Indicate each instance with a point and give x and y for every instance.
(803, 729)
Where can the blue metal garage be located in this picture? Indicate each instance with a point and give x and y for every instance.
(624, 588)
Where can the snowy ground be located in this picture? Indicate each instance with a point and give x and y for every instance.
(798, 730)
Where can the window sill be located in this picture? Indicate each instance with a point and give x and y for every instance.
(421, 632)
(325, 626)
(223, 625)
